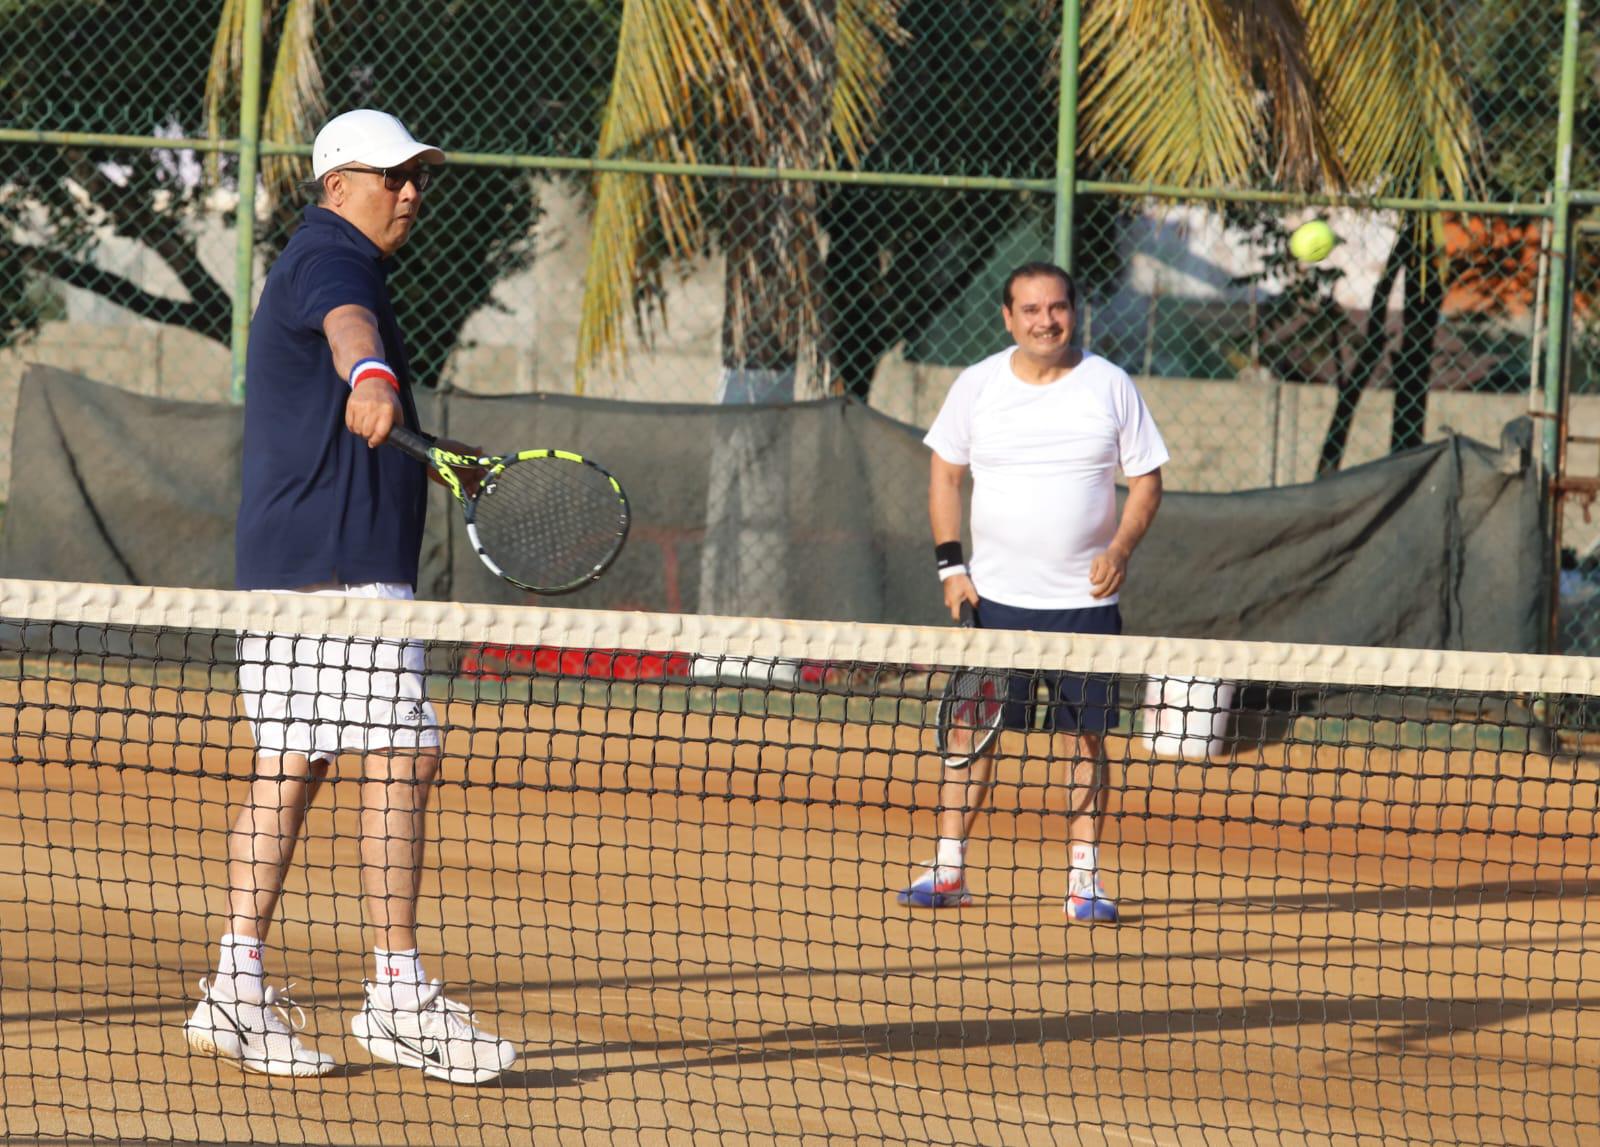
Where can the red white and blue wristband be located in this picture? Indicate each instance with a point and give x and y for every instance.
(371, 368)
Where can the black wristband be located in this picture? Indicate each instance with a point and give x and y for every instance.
(948, 554)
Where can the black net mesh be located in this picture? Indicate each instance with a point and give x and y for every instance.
(681, 869)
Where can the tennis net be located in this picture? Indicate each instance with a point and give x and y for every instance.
(1355, 886)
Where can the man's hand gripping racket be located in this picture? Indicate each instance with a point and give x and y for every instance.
(547, 521)
(970, 709)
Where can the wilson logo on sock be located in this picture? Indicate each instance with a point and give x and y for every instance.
(391, 971)
(253, 954)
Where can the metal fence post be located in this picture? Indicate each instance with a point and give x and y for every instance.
(1552, 424)
(1067, 135)
(249, 164)
(1560, 246)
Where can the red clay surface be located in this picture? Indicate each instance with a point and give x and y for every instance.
(687, 926)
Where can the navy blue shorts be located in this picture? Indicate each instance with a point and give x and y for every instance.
(1077, 702)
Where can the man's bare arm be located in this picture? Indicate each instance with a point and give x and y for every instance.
(944, 515)
(373, 408)
(1110, 569)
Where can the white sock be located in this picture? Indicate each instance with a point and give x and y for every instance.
(399, 969)
(1085, 863)
(952, 853)
(240, 975)
(400, 980)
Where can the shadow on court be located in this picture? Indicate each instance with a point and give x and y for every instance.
(1396, 899)
(1401, 1022)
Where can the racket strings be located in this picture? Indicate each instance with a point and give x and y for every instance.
(974, 703)
(550, 521)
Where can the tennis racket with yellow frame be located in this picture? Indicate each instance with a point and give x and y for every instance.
(547, 521)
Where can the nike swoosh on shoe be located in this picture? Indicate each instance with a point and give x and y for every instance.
(244, 1033)
(428, 1049)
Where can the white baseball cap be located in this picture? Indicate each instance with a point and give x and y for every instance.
(368, 137)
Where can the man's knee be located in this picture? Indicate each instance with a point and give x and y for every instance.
(285, 780)
(415, 766)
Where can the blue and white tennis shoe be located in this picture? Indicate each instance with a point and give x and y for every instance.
(1088, 900)
(937, 887)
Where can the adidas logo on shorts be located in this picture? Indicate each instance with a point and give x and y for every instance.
(412, 713)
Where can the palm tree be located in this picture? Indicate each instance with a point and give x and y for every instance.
(1367, 95)
(1172, 94)
(769, 83)
(1203, 93)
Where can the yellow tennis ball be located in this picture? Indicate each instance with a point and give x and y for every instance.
(1311, 242)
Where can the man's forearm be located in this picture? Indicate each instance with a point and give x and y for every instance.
(944, 512)
(1144, 499)
(352, 333)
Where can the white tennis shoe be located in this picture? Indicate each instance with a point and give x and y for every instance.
(260, 1037)
(438, 1035)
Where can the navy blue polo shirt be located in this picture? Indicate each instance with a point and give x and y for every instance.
(318, 504)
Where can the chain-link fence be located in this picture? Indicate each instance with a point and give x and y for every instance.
(921, 140)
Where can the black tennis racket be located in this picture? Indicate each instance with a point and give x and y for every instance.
(971, 709)
(548, 521)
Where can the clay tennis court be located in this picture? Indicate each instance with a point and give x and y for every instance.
(685, 923)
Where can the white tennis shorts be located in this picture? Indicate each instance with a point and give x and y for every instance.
(321, 696)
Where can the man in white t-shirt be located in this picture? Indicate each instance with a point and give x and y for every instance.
(1044, 427)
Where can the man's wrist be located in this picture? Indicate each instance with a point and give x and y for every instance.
(374, 370)
(951, 561)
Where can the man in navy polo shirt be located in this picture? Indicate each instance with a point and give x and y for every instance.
(324, 511)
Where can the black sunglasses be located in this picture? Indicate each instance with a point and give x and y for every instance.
(394, 178)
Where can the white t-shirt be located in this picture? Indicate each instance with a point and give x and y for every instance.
(1044, 461)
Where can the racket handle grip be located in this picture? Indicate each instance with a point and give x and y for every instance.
(968, 615)
(408, 441)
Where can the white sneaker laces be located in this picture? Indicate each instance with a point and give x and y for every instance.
(1086, 886)
(280, 1006)
(459, 1019)
(279, 1012)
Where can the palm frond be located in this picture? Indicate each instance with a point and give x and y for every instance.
(866, 28)
(1396, 93)
(222, 78)
(295, 106)
(1173, 92)
(743, 79)
(665, 48)
(1278, 38)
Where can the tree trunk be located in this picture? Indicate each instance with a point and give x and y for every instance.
(772, 279)
(1413, 368)
(1353, 382)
